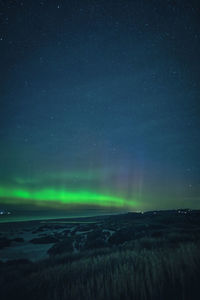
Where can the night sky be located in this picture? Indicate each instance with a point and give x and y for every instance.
(100, 104)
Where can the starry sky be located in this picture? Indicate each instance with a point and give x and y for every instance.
(99, 105)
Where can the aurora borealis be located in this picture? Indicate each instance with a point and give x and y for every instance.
(99, 106)
(63, 196)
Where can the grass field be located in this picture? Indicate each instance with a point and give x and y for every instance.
(162, 262)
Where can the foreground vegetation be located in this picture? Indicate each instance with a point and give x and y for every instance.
(156, 266)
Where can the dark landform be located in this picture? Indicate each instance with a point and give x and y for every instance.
(151, 255)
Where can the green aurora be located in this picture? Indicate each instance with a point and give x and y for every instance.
(81, 197)
(62, 176)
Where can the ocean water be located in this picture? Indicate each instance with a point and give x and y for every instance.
(20, 216)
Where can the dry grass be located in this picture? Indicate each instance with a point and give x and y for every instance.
(114, 275)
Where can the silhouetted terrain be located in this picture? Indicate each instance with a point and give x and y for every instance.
(154, 255)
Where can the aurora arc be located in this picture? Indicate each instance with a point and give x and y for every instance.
(80, 175)
(63, 196)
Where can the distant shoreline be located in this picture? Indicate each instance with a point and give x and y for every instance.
(56, 219)
(79, 219)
